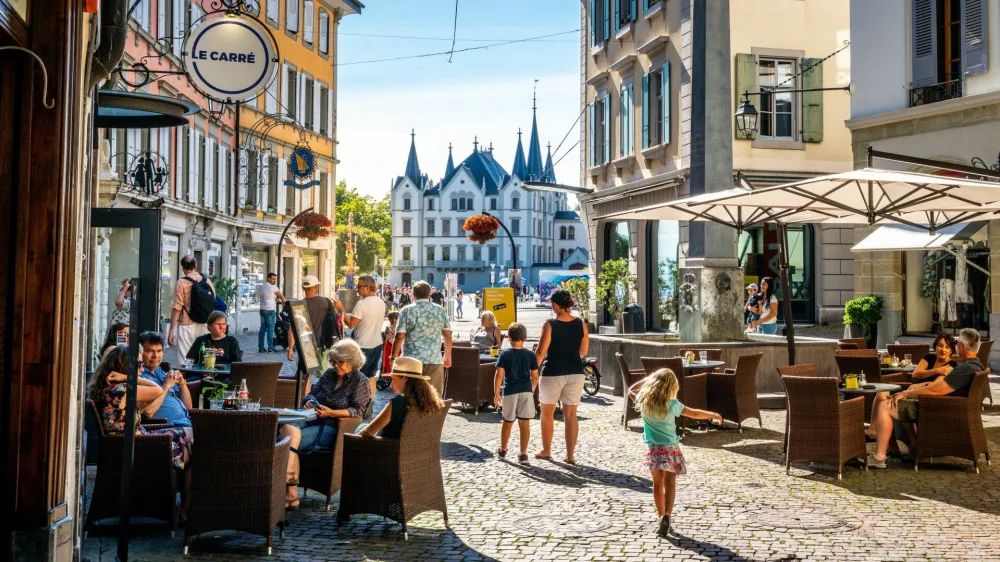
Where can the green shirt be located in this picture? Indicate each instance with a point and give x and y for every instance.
(423, 322)
(663, 431)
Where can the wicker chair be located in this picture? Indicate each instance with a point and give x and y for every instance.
(284, 393)
(916, 351)
(469, 381)
(239, 484)
(801, 370)
(733, 393)
(693, 391)
(395, 478)
(984, 357)
(952, 426)
(154, 478)
(321, 470)
(629, 377)
(859, 343)
(460, 343)
(262, 378)
(821, 427)
(856, 361)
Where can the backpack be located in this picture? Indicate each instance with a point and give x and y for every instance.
(202, 300)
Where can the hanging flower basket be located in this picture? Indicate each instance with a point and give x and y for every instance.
(481, 228)
(313, 226)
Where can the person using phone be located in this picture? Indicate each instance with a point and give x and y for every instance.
(341, 392)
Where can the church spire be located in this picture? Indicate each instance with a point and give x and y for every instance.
(550, 174)
(412, 166)
(520, 169)
(534, 171)
(475, 143)
(451, 163)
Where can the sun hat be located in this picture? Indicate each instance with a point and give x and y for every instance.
(408, 367)
(310, 281)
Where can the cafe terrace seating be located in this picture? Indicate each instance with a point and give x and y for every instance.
(154, 484)
(395, 478)
(821, 427)
(733, 393)
(262, 378)
(852, 343)
(284, 393)
(952, 426)
(239, 482)
(322, 469)
(800, 370)
(629, 377)
(469, 381)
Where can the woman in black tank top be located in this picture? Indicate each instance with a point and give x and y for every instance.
(561, 348)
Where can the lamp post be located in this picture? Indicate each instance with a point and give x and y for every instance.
(747, 116)
(382, 263)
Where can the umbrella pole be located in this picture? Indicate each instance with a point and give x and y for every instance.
(786, 290)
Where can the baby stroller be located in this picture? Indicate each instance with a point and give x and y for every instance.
(282, 323)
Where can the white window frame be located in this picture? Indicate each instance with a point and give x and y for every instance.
(407, 204)
(292, 16)
(308, 21)
(768, 102)
(273, 10)
(407, 227)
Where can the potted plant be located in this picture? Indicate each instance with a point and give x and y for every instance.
(226, 289)
(615, 288)
(481, 228)
(214, 395)
(579, 289)
(861, 315)
(313, 226)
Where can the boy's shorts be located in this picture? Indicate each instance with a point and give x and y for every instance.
(520, 406)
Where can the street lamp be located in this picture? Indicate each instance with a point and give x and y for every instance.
(746, 118)
(382, 263)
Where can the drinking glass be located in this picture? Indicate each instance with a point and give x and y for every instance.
(186, 362)
(907, 359)
(703, 355)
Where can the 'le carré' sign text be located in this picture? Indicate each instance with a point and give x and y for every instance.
(230, 58)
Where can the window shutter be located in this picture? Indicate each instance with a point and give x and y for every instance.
(178, 31)
(633, 13)
(300, 104)
(210, 178)
(223, 177)
(746, 81)
(594, 23)
(591, 134)
(192, 166)
(665, 109)
(607, 128)
(241, 178)
(974, 47)
(283, 88)
(329, 113)
(282, 190)
(264, 169)
(315, 108)
(923, 54)
(292, 15)
(307, 21)
(271, 96)
(812, 102)
(622, 121)
(606, 13)
(161, 22)
(618, 16)
(645, 111)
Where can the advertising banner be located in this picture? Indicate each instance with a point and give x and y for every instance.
(552, 280)
(500, 301)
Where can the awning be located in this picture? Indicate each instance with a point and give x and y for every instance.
(134, 110)
(900, 237)
(265, 238)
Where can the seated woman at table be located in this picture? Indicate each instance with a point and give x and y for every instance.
(414, 396)
(931, 367)
(341, 392)
(488, 334)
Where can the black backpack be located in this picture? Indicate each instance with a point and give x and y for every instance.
(202, 300)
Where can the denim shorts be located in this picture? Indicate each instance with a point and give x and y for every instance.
(771, 328)
(317, 434)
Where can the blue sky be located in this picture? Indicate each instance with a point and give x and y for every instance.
(484, 92)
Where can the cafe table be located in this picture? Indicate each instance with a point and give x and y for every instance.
(694, 367)
(486, 358)
(907, 370)
(196, 372)
(870, 388)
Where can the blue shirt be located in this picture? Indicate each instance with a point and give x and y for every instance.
(423, 322)
(517, 365)
(663, 431)
(172, 409)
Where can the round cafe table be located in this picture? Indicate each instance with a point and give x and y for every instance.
(695, 367)
(486, 358)
(875, 388)
(907, 370)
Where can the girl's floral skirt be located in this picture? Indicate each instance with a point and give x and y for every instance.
(665, 457)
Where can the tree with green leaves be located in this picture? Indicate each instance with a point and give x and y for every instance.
(368, 246)
(372, 228)
(615, 287)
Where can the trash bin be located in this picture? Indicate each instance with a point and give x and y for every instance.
(633, 320)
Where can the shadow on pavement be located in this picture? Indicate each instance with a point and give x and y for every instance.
(468, 453)
(580, 475)
(712, 550)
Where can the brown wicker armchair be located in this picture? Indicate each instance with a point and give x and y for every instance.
(800, 370)
(284, 393)
(984, 357)
(916, 351)
(693, 391)
(262, 379)
(154, 478)
(469, 381)
(629, 377)
(239, 484)
(321, 470)
(395, 478)
(733, 393)
(952, 426)
(859, 343)
(866, 361)
(821, 427)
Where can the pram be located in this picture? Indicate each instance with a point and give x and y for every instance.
(282, 323)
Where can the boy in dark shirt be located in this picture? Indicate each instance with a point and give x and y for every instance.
(226, 348)
(517, 374)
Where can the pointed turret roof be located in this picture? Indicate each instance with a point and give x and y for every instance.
(451, 163)
(550, 174)
(520, 169)
(535, 169)
(412, 166)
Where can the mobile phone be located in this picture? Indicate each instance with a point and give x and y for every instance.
(313, 403)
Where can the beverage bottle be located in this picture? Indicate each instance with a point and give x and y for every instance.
(862, 382)
(201, 355)
(244, 394)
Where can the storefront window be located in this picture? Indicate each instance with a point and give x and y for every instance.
(214, 265)
(757, 251)
(254, 268)
(662, 240)
(310, 263)
(617, 242)
(169, 270)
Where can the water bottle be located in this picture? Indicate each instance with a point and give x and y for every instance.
(244, 395)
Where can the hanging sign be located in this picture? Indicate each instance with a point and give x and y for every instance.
(302, 165)
(230, 58)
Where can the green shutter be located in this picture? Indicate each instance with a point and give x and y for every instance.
(607, 128)
(622, 121)
(591, 129)
(812, 102)
(645, 111)
(746, 80)
(634, 14)
(607, 19)
(618, 16)
(594, 23)
(631, 119)
(665, 110)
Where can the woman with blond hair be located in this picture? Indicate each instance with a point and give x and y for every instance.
(488, 334)
(656, 399)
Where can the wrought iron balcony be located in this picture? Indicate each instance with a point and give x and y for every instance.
(404, 263)
(941, 91)
(456, 264)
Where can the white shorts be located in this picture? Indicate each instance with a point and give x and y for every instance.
(566, 389)
(184, 337)
(519, 406)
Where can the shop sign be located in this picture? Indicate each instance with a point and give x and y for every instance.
(170, 243)
(230, 58)
(302, 165)
(215, 249)
(500, 301)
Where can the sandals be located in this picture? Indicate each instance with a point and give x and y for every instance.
(570, 460)
(522, 458)
(292, 506)
(292, 481)
(542, 457)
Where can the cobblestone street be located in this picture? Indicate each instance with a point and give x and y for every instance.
(736, 503)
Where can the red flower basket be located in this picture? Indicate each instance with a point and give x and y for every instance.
(313, 226)
(481, 228)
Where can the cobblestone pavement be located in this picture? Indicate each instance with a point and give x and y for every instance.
(736, 503)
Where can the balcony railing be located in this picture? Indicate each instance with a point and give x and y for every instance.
(456, 264)
(404, 263)
(941, 91)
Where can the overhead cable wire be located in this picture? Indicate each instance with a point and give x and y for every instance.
(440, 53)
(571, 129)
(568, 150)
(462, 39)
(454, 32)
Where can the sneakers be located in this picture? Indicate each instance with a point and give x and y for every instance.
(875, 462)
(522, 458)
(664, 529)
(502, 453)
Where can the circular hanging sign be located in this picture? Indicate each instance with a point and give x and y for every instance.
(303, 164)
(230, 58)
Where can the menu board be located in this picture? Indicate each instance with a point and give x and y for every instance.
(305, 339)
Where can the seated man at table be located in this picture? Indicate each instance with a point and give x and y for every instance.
(174, 402)
(955, 383)
(226, 348)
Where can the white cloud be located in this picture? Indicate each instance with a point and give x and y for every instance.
(374, 125)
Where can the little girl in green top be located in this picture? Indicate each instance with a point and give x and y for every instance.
(656, 399)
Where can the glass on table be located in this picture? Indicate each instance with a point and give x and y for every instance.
(907, 360)
(186, 362)
(703, 355)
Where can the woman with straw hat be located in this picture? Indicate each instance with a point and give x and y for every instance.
(414, 393)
